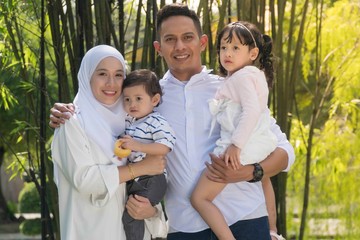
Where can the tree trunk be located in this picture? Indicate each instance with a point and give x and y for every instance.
(7, 214)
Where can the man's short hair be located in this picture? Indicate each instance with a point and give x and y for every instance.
(176, 9)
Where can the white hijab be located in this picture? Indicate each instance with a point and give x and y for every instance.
(102, 123)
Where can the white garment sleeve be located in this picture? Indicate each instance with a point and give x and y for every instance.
(242, 89)
(83, 165)
(157, 225)
(283, 143)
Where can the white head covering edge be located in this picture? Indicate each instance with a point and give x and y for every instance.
(101, 123)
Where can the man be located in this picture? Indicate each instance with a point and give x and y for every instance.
(187, 86)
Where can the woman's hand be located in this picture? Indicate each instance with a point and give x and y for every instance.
(150, 165)
(140, 207)
(218, 171)
(59, 113)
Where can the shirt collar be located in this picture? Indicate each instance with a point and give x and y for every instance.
(197, 77)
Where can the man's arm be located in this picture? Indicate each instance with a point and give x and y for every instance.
(279, 160)
(59, 113)
(276, 162)
(140, 207)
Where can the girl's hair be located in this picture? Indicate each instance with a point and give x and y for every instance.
(247, 33)
(146, 78)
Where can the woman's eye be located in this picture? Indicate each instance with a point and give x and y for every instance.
(138, 98)
(126, 99)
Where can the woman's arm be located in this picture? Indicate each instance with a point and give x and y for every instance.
(150, 165)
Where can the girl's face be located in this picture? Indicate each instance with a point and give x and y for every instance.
(107, 80)
(137, 102)
(234, 55)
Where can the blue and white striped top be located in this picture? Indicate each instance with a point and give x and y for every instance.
(149, 129)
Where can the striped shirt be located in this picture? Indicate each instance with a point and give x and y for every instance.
(149, 129)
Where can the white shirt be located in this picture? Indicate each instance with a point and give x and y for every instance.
(185, 106)
(91, 200)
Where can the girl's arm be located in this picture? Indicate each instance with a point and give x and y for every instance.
(243, 88)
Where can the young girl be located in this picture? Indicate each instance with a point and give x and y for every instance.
(146, 132)
(240, 107)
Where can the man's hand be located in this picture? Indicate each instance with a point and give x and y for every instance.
(140, 207)
(218, 171)
(59, 113)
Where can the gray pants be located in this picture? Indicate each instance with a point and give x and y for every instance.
(151, 187)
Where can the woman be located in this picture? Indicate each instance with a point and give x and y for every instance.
(90, 179)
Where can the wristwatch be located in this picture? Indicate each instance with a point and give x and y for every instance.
(258, 173)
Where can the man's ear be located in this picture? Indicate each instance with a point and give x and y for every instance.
(156, 99)
(157, 47)
(203, 41)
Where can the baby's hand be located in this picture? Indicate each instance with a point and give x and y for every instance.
(232, 155)
(130, 143)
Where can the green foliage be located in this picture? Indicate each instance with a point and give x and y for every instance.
(335, 172)
(7, 99)
(29, 199)
(31, 227)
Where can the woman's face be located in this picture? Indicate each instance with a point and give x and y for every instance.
(107, 80)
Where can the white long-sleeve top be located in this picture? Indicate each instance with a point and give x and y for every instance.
(91, 200)
(240, 107)
(185, 106)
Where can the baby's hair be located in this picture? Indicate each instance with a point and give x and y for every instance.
(146, 78)
(248, 34)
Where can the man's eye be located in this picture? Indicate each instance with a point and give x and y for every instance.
(170, 39)
(188, 37)
(127, 99)
(138, 98)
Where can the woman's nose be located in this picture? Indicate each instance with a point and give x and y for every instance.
(110, 81)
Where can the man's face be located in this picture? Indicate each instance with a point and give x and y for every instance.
(181, 46)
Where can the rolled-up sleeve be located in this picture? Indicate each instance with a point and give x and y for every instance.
(283, 143)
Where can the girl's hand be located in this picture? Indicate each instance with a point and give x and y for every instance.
(232, 155)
